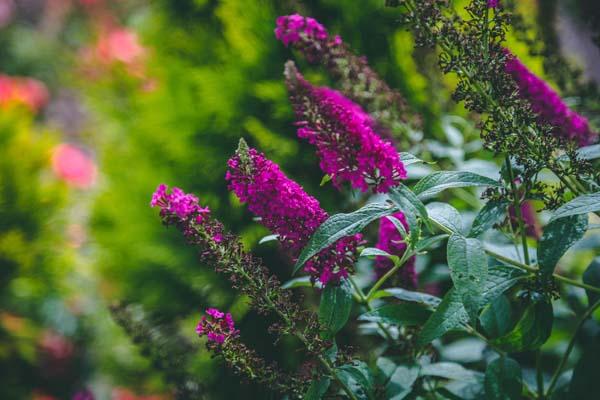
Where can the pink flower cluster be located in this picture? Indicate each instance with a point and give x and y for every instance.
(305, 34)
(550, 108)
(218, 327)
(391, 241)
(493, 3)
(178, 203)
(27, 92)
(73, 165)
(347, 145)
(288, 211)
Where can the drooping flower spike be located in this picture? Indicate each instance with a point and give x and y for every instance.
(549, 106)
(356, 79)
(288, 211)
(391, 241)
(348, 146)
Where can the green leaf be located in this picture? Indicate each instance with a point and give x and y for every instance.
(468, 268)
(407, 295)
(532, 330)
(335, 307)
(406, 314)
(491, 214)
(358, 378)
(408, 159)
(558, 237)
(580, 205)
(317, 388)
(585, 379)
(430, 241)
(326, 178)
(439, 181)
(410, 205)
(342, 225)
(372, 252)
(398, 224)
(449, 370)
(589, 152)
(402, 381)
(503, 380)
(449, 315)
(445, 215)
(302, 281)
(497, 319)
(591, 276)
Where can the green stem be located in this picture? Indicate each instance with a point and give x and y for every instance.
(407, 254)
(565, 356)
(517, 208)
(364, 300)
(538, 374)
(473, 332)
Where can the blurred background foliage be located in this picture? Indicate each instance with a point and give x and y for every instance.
(124, 95)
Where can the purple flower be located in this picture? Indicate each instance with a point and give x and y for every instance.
(177, 202)
(347, 145)
(530, 220)
(550, 108)
(218, 327)
(391, 241)
(493, 3)
(305, 34)
(288, 211)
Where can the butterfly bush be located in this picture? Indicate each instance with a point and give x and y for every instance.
(218, 327)
(548, 104)
(392, 242)
(288, 211)
(357, 80)
(347, 145)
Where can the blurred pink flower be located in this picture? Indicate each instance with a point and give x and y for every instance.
(7, 10)
(73, 166)
(28, 92)
(119, 44)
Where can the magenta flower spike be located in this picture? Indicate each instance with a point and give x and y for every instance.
(288, 211)
(549, 106)
(347, 145)
(217, 327)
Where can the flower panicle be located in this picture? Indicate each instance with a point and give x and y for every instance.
(224, 339)
(392, 242)
(548, 104)
(357, 80)
(347, 145)
(288, 211)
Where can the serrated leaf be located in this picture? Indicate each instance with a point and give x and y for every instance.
(503, 380)
(583, 204)
(372, 252)
(497, 319)
(342, 225)
(491, 214)
(317, 388)
(445, 215)
(449, 315)
(532, 330)
(406, 314)
(591, 276)
(335, 307)
(407, 295)
(500, 278)
(468, 268)
(358, 378)
(439, 181)
(302, 281)
(558, 237)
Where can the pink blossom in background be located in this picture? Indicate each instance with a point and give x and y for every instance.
(73, 166)
(120, 44)
(391, 241)
(7, 10)
(27, 92)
